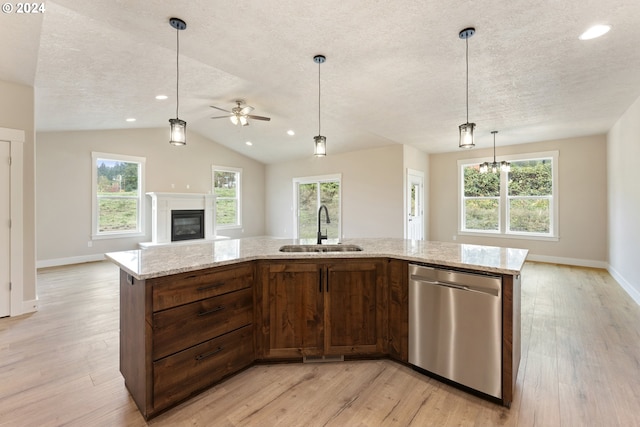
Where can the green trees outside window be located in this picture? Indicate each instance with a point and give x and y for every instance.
(117, 196)
(524, 196)
(311, 195)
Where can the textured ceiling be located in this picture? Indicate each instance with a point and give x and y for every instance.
(395, 71)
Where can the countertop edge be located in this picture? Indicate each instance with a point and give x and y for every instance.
(316, 256)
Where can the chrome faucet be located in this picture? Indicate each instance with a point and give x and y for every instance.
(320, 235)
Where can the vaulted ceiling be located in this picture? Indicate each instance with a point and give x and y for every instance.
(395, 71)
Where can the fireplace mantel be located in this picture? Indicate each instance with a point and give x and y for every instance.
(163, 203)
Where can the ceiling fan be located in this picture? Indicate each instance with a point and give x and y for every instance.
(239, 115)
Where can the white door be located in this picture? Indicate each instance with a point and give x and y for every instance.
(415, 205)
(5, 232)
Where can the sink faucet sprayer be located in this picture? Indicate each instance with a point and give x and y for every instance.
(320, 235)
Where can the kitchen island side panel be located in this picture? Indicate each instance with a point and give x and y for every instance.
(134, 333)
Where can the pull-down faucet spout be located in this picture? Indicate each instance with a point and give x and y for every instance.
(320, 235)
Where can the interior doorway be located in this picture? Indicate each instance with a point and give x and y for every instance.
(5, 229)
(414, 228)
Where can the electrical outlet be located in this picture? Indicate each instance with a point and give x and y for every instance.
(89, 244)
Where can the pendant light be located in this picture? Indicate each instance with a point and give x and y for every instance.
(178, 128)
(466, 129)
(320, 149)
(503, 166)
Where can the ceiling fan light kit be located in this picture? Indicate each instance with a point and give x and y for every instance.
(466, 129)
(177, 127)
(320, 145)
(239, 115)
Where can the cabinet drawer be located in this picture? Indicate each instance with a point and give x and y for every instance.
(187, 325)
(178, 289)
(178, 376)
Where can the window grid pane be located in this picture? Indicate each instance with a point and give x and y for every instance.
(482, 214)
(118, 196)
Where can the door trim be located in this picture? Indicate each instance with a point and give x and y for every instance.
(16, 140)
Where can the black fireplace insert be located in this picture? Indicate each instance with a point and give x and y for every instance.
(187, 224)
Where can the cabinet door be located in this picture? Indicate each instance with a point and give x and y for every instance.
(354, 315)
(293, 307)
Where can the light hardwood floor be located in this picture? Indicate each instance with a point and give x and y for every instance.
(580, 367)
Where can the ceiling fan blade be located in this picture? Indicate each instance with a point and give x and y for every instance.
(221, 109)
(220, 117)
(266, 119)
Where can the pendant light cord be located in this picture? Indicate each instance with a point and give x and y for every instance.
(467, 60)
(178, 70)
(319, 133)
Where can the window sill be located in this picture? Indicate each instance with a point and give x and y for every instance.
(509, 236)
(116, 236)
(228, 227)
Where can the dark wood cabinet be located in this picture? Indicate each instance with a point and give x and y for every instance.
(398, 310)
(322, 308)
(354, 315)
(184, 332)
(292, 307)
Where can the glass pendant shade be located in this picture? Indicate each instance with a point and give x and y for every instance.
(466, 135)
(320, 146)
(178, 132)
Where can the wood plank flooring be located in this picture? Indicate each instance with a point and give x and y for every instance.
(580, 367)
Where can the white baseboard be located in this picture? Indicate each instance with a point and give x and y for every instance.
(625, 284)
(29, 306)
(568, 261)
(70, 260)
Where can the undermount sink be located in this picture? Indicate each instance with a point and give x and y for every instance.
(320, 248)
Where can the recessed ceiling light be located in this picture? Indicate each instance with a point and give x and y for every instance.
(290, 132)
(594, 32)
(161, 97)
(131, 119)
(249, 143)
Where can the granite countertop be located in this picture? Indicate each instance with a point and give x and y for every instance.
(171, 259)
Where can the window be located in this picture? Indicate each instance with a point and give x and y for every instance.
(227, 188)
(118, 193)
(309, 194)
(520, 203)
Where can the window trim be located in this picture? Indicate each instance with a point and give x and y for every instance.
(504, 199)
(313, 179)
(140, 226)
(238, 198)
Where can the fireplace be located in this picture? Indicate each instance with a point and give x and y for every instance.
(163, 206)
(187, 224)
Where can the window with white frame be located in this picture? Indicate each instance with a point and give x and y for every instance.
(309, 194)
(118, 195)
(519, 203)
(227, 188)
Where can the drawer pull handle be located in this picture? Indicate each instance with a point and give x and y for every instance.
(213, 310)
(209, 354)
(206, 288)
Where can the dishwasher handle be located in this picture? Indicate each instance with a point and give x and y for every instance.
(493, 292)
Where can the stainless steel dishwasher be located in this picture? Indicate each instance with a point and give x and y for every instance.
(455, 326)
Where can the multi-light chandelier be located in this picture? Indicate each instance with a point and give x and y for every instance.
(495, 166)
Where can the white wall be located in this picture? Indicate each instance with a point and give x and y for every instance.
(17, 112)
(582, 171)
(372, 191)
(623, 154)
(64, 195)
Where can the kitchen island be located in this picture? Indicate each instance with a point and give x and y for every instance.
(194, 314)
